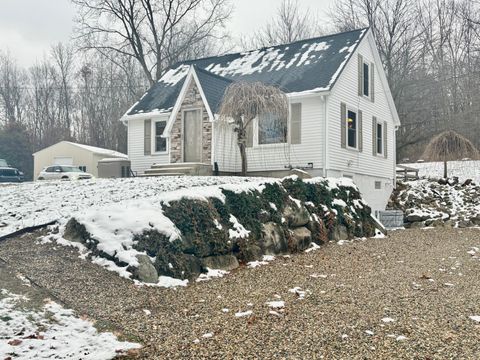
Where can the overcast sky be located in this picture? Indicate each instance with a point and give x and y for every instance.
(29, 27)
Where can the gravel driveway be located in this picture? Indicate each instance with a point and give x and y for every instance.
(410, 295)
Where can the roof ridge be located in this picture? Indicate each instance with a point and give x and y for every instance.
(190, 61)
(220, 77)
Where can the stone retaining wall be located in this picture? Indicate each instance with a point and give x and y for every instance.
(278, 217)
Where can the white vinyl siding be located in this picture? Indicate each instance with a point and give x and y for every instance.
(276, 156)
(136, 144)
(366, 167)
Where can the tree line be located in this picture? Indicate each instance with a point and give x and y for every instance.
(79, 90)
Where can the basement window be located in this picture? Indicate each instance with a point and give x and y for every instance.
(378, 185)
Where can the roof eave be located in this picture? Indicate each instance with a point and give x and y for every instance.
(143, 116)
(307, 94)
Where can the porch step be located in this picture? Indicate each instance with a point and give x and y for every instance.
(196, 169)
(163, 170)
(162, 174)
(179, 165)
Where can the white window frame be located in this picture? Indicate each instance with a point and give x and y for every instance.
(154, 138)
(379, 149)
(256, 129)
(369, 96)
(356, 129)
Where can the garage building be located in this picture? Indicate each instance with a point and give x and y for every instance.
(85, 157)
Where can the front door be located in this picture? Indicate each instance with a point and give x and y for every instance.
(192, 136)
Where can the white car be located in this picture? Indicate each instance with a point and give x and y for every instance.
(63, 172)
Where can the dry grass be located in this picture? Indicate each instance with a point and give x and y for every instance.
(450, 146)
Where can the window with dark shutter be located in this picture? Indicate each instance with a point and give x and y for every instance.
(366, 79)
(385, 139)
(249, 134)
(296, 123)
(379, 139)
(160, 142)
(352, 127)
(343, 125)
(147, 143)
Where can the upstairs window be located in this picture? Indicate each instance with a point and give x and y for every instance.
(351, 129)
(366, 79)
(271, 129)
(160, 142)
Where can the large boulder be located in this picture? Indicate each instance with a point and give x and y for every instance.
(300, 239)
(74, 231)
(273, 239)
(222, 262)
(340, 232)
(476, 220)
(296, 216)
(415, 217)
(145, 272)
(249, 251)
(178, 265)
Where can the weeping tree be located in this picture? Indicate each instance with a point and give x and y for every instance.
(243, 102)
(449, 146)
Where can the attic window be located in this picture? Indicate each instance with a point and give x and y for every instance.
(366, 79)
(271, 130)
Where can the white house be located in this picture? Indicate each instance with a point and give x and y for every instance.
(342, 116)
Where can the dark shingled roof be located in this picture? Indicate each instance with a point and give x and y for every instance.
(213, 86)
(302, 66)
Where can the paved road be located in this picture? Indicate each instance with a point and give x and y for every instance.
(407, 296)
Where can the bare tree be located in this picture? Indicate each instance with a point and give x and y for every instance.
(289, 24)
(63, 59)
(243, 102)
(154, 33)
(12, 90)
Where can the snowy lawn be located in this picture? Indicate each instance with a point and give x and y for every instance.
(462, 169)
(37, 203)
(52, 332)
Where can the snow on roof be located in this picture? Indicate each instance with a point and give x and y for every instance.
(94, 149)
(100, 151)
(311, 65)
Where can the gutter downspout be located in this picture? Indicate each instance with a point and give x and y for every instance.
(325, 136)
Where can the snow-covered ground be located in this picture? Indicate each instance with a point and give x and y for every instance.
(469, 169)
(52, 332)
(37, 203)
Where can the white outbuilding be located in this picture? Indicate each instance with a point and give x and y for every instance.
(85, 157)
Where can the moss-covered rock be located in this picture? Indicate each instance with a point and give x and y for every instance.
(198, 224)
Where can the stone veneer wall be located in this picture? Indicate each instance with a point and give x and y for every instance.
(193, 100)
